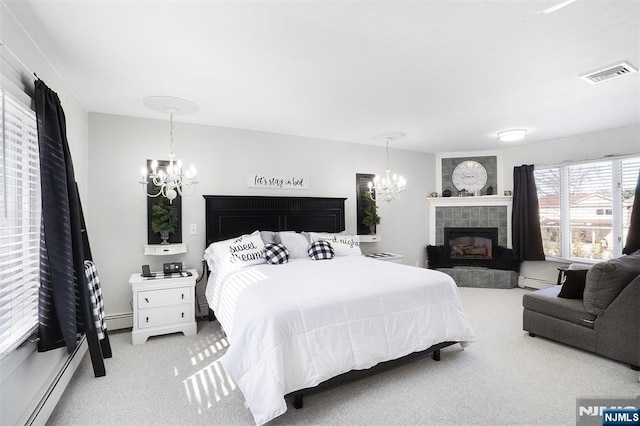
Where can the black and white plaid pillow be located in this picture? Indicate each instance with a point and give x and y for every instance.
(276, 254)
(321, 250)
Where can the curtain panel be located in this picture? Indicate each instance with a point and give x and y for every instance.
(526, 235)
(63, 294)
(633, 237)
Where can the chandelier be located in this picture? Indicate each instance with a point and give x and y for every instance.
(390, 186)
(169, 179)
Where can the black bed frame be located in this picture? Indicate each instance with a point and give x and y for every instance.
(228, 216)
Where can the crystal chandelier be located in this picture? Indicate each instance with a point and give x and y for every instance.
(170, 180)
(390, 186)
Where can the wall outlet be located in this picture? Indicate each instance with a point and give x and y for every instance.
(193, 229)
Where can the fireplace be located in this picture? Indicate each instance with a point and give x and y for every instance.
(471, 246)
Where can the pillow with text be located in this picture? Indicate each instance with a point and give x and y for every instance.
(344, 245)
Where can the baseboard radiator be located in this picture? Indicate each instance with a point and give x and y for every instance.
(54, 392)
(531, 282)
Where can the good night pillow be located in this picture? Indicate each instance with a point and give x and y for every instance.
(343, 245)
(235, 253)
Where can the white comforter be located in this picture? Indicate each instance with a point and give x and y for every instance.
(296, 325)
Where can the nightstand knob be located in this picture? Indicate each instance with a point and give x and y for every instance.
(183, 315)
(146, 300)
(147, 320)
(182, 296)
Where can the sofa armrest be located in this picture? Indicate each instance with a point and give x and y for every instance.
(618, 328)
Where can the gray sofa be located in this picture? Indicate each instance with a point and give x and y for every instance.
(605, 321)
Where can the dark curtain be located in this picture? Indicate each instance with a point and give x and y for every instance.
(526, 236)
(63, 297)
(633, 237)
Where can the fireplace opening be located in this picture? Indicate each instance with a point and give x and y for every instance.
(471, 246)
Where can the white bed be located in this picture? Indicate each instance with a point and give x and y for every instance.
(295, 325)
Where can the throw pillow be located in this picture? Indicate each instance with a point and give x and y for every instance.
(573, 284)
(235, 253)
(276, 254)
(321, 250)
(605, 281)
(269, 237)
(296, 243)
(343, 245)
(437, 257)
(503, 259)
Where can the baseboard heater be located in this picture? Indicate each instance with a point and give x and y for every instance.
(54, 392)
(536, 283)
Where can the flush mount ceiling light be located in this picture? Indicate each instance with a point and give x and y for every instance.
(512, 135)
(171, 180)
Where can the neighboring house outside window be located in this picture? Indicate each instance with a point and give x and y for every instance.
(19, 223)
(585, 208)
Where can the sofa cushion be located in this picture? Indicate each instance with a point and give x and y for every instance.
(547, 302)
(573, 284)
(605, 280)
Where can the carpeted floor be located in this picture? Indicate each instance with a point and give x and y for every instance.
(505, 377)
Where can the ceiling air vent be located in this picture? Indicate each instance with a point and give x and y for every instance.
(613, 71)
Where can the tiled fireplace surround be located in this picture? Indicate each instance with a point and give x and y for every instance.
(474, 212)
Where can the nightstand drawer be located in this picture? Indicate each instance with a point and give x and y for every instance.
(156, 298)
(164, 316)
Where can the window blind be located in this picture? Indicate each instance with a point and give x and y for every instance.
(629, 180)
(20, 206)
(548, 183)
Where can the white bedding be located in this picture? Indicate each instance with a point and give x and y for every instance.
(296, 325)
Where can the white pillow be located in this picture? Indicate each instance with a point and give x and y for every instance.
(297, 244)
(235, 253)
(344, 245)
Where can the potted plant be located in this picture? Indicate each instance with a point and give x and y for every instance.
(163, 219)
(371, 218)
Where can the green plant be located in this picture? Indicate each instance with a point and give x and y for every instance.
(163, 216)
(371, 217)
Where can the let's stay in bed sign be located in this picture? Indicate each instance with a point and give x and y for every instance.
(258, 180)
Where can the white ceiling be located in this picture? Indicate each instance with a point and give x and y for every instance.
(449, 74)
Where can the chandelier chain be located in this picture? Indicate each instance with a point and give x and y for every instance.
(171, 133)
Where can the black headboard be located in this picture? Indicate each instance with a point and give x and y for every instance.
(229, 216)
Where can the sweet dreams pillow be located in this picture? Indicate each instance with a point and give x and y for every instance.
(343, 245)
(235, 253)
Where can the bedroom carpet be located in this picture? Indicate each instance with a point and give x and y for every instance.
(504, 377)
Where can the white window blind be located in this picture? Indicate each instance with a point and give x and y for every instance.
(19, 223)
(590, 192)
(629, 180)
(585, 208)
(548, 183)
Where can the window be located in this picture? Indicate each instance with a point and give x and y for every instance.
(19, 223)
(585, 208)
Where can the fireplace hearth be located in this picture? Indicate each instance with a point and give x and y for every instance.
(471, 246)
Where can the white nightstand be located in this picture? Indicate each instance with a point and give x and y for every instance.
(163, 305)
(388, 257)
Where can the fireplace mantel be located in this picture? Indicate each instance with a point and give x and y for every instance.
(486, 200)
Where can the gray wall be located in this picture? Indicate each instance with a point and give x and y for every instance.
(119, 146)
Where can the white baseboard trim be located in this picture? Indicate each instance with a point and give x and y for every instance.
(52, 394)
(119, 321)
